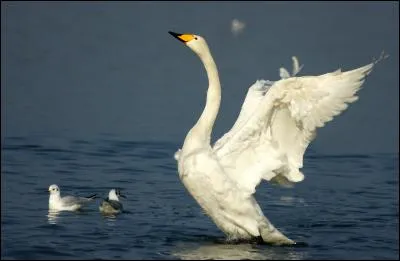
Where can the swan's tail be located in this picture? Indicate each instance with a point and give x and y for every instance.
(273, 236)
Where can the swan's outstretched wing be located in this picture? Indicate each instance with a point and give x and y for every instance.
(270, 143)
(253, 97)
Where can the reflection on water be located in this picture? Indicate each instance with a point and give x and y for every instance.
(237, 251)
(292, 201)
(53, 216)
(109, 216)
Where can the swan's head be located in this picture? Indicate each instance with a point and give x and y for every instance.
(195, 42)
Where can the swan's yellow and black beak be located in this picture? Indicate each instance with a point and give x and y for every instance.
(182, 37)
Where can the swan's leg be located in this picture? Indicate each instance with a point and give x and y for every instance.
(273, 236)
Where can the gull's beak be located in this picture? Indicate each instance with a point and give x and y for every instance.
(122, 196)
(182, 37)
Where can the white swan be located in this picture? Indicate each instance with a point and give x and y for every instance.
(268, 140)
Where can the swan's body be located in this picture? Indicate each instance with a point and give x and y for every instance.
(67, 203)
(277, 122)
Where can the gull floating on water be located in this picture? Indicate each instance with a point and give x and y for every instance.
(112, 205)
(67, 203)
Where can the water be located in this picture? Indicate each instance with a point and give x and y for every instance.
(346, 208)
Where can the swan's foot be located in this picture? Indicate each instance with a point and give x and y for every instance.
(272, 236)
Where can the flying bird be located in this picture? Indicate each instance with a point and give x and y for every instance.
(237, 27)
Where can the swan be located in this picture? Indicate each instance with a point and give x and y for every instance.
(276, 123)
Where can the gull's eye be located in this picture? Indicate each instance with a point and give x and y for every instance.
(195, 38)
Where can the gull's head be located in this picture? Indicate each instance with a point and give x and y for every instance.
(54, 189)
(115, 194)
(195, 42)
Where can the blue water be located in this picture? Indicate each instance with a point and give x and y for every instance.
(346, 208)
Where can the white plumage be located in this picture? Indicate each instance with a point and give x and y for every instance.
(277, 122)
(67, 203)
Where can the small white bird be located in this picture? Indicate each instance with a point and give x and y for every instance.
(237, 27)
(112, 205)
(68, 203)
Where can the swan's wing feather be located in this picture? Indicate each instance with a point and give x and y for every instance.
(253, 97)
(283, 73)
(273, 139)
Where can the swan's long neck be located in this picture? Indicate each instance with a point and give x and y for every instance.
(200, 134)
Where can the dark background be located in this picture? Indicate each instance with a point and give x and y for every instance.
(110, 68)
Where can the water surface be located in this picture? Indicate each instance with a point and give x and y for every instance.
(347, 207)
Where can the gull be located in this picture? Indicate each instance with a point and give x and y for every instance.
(67, 203)
(237, 27)
(112, 205)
